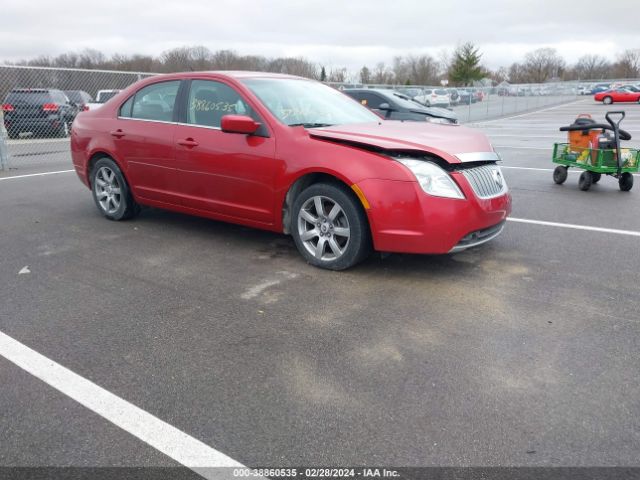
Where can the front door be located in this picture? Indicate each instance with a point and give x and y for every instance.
(229, 174)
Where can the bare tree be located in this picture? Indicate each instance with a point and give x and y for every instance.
(382, 74)
(628, 64)
(543, 64)
(591, 67)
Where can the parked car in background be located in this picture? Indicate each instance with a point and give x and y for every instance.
(631, 88)
(584, 90)
(619, 95)
(465, 97)
(600, 87)
(454, 97)
(101, 97)
(294, 156)
(79, 98)
(434, 97)
(477, 94)
(37, 112)
(410, 92)
(393, 105)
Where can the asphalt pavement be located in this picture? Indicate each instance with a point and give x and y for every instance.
(522, 352)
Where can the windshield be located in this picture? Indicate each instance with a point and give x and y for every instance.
(308, 103)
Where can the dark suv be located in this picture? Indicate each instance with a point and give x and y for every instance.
(38, 112)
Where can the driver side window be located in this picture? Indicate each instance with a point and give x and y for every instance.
(209, 101)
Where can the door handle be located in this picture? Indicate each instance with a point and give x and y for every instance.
(188, 142)
(118, 133)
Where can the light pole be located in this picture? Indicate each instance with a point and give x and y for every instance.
(4, 151)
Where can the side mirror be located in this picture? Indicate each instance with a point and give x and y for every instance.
(239, 124)
(385, 106)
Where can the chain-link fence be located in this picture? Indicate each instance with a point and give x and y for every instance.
(39, 105)
(472, 104)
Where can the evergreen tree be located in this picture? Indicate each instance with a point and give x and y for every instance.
(323, 75)
(465, 67)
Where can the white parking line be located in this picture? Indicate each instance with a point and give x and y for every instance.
(15, 177)
(575, 227)
(174, 443)
(524, 148)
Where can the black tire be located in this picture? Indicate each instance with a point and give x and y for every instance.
(13, 134)
(595, 177)
(351, 219)
(625, 182)
(126, 205)
(585, 181)
(607, 100)
(560, 174)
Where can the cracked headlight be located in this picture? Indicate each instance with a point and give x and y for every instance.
(433, 179)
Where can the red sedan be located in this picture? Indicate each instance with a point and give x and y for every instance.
(617, 95)
(291, 155)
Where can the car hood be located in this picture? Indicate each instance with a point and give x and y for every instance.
(454, 143)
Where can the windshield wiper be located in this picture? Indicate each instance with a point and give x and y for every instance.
(310, 125)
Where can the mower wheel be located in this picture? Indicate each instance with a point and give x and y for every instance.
(560, 174)
(585, 181)
(595, 177)
(625, 182)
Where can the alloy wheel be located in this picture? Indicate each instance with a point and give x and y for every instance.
(323, 228)
(108, 190)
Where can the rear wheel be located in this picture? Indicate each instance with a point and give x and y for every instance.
(607, 100)
(330, 227)
(595, 177)
(111, 191)
(625, 182)
(560, 174)
(585, 181)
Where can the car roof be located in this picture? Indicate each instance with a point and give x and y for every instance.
(237, 74)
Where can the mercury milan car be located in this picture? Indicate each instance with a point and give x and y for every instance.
(294, 156)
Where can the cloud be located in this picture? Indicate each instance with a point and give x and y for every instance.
(331, 32)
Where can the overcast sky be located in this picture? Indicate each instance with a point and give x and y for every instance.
(347, 33)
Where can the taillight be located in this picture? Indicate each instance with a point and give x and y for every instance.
(50, 107)
(7, 107)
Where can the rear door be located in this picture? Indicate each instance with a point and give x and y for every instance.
(144, 140)
(229, 174)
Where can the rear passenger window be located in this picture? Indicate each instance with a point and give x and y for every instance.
(155, 102)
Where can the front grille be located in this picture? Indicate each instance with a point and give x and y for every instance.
(487, 181)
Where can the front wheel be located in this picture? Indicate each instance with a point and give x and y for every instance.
(111, 191)
(329, 227)
(625, 182)
(607, 100)
(595, 177)
(560, 174)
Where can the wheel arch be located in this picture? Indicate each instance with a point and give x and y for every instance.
(97, 155)
(307, 179)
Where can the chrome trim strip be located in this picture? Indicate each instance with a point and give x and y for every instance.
(145, 120)
(478, 157)
(460, 248)
(172, 123)
(198, 126)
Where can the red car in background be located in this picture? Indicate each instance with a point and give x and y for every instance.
(291, 155)
(617, 95)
